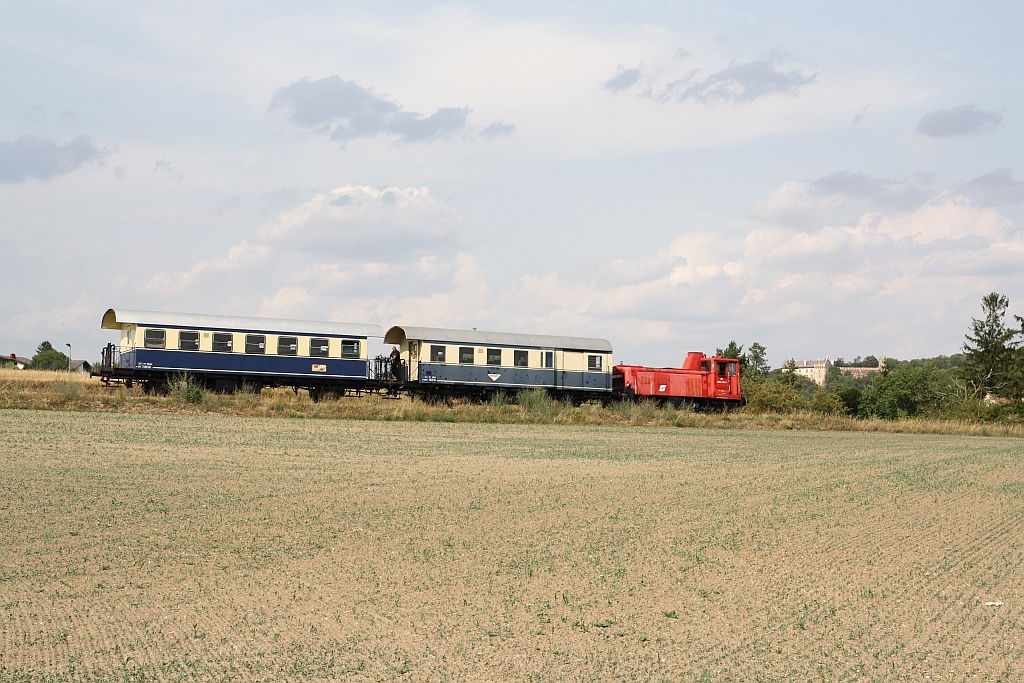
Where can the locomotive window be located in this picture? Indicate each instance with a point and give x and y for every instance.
(466, 354)
(318, 347)
(594, 363)
(188, 341)
(255, 343)
(436, 354)
(494, 356)
(732, 369)
(349, 348)
(721, 369)
(222, 341)
(287, 346)
(705, 365)
(155, 339)
(521, 359)
(549, 359)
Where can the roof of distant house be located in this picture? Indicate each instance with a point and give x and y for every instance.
(819, 363)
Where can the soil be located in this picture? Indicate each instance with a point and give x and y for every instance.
(177, 547)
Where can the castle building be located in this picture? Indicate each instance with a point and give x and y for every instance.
(814, 370)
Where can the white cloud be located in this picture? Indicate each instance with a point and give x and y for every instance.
(864, 280)
(359, 221)
(947, 218)
(287, 302)
(241, 257)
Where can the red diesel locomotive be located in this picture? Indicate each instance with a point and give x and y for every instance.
(701, 382)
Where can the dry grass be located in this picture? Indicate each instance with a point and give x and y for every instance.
(63, 391)
(183, 547)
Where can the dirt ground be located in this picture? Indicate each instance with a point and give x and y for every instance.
(169, 547)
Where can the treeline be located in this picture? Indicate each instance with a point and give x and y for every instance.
(46, 358)
(983, 382)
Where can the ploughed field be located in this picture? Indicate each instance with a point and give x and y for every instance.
(167, 547)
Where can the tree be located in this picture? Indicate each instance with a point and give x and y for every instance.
(990, 347)
(49, 358)
(757, 359)
(733, 350)
(752, 363)
(870, 362)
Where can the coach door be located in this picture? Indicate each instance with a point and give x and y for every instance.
(547, 366)
(413, 361)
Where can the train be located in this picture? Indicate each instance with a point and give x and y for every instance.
(331, 359)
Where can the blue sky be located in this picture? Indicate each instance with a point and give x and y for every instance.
(825, 179)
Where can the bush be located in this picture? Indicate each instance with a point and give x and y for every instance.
(904, 392)
(827, 403)
(187, 389)
(850, 396)
(773, 397)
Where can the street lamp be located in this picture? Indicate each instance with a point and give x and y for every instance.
(69, 356)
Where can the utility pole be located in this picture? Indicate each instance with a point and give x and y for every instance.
(69, 356)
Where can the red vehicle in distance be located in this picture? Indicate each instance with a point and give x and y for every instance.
(703, 382)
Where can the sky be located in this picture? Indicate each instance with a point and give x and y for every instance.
(826, 179)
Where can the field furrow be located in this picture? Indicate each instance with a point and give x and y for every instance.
(182, 547)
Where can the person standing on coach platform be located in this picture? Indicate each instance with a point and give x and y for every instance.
(396, 363)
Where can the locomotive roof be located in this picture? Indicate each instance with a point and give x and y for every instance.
(397, 334)
(118, 319)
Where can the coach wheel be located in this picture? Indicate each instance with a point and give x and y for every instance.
(316, 394)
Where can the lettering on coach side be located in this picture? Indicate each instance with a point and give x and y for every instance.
(317, 367)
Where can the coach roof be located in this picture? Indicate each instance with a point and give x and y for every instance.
(120, 318)
(397, 335)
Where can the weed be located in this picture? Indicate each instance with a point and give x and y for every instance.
(187, 388)
(537, 402)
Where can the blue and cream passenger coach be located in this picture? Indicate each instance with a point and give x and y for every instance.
(445, 362)
(225, 351)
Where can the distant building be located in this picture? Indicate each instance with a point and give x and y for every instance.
(14, 361)
(814, 370)
(81, 366)
(858, 372)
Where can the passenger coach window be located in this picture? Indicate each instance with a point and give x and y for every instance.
(436, 354)
(594, 363)
(222, 341)
(255, 343)
(494, 356)
(188, 341)
(521, 359)
(287, 346)
(466, 354)
(349, 349)
(319, 348)
(155, 339)
(549, 359)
